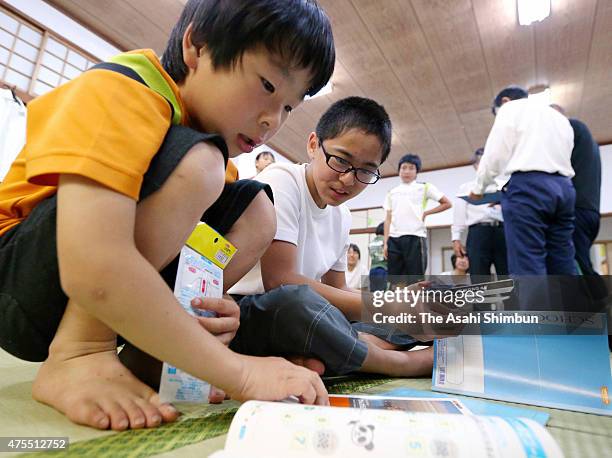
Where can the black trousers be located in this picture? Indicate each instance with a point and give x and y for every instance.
(486, 246)
(585, 231)
(407, 255)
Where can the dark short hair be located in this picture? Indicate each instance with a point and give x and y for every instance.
(411, 159)
(477, 155)
(380, 229)
(356, 249)
(512, 92)
(454, 260)
(356, 113)
(298, 31)
(264, 153)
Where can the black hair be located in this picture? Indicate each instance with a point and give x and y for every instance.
(356, 113)
(265, 153)
(298, 31)
(454, 261)
(412, 159)
(512, 92)
(356, 249)
(477, 155)
(380, 229)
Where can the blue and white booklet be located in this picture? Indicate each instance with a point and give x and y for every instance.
(570, 372)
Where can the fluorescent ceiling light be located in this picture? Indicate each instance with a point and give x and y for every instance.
(530, 11)
(323, 91)
(542, 96)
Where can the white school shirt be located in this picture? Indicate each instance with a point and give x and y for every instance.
(526, 136)
(407, 203)
(321, 235)
(354, 278)
(465, 214)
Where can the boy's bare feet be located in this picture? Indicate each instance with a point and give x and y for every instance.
(398, 363)
(94, 389)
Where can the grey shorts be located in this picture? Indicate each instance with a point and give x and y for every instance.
(295, 320)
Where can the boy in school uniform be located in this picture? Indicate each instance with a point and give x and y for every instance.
(405, 232)
(296, 301)
(103, 195)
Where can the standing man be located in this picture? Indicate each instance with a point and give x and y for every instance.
(405, 233)
(533, 143)
(486, 243)
(586, 163)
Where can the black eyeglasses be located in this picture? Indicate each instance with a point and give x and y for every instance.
(341, 165)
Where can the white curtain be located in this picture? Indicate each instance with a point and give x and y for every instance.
(12, 129)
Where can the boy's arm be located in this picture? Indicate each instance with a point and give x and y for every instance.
(386, 233)
(445, 204)
(278, 268)
(102, 270)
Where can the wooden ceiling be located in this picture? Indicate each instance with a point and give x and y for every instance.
(434, 64)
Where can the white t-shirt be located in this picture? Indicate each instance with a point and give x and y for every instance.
(526, 136)
(354, 277)
(407, 203)
(464, 214)
(321, 235)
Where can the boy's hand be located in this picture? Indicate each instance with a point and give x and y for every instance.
(227, 320)
(385, 251)
(275, 379)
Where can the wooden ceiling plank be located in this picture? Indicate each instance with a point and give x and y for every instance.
(110, 18)
(508, 48)
(400, 38)
(596, 104)
(452, 34)
(563, 41)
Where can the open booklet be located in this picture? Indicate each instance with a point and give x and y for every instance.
(274, 429)
(569, 372)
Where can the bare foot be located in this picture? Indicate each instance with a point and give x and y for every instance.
(309, 363)
(398, 363)
(381, 343)
(95, 389)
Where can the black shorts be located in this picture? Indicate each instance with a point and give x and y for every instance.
(32, 302)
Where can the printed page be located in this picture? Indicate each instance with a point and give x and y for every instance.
(405, 404)
(266, 429)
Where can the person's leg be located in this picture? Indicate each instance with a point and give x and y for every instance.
(395, 261)
(295, 320)
(500, 253)
(585, 232)
(524, 210)
(560, 259)
(415, 256)
(477, 245)
(82, 377)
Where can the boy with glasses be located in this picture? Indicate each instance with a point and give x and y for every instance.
(296, 301)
